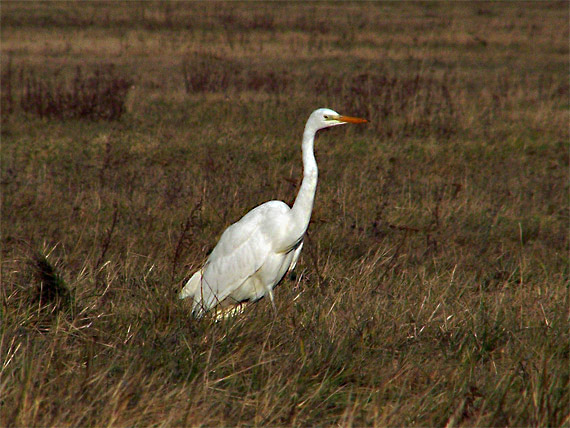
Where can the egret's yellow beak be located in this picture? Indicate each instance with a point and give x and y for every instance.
(349, 119)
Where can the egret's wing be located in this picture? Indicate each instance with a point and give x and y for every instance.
(239, 254)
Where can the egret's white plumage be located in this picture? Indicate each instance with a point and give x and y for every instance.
(256, 252)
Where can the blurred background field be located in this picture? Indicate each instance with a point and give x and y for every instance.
(433, 287)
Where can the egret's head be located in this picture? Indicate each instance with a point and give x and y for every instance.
(325, 118)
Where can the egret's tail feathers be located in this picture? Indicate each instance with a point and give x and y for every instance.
(192, 286)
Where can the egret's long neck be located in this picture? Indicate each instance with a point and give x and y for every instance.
(303, 205)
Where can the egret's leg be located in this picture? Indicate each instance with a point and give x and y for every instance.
(229, 311)
(270, 292)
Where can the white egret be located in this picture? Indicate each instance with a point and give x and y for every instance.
(256, 252)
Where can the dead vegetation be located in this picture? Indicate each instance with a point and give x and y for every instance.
(433, 289)
(101, 95)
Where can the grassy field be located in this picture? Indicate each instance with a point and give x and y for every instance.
(433, 286)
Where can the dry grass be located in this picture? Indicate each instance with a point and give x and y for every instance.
(101, 95)
(433, 289)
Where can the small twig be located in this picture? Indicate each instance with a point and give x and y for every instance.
(391, 262)
(107, 241)
(404, 228)
(106, 161)
(180, 244)
(185, 227)
(320, 279)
